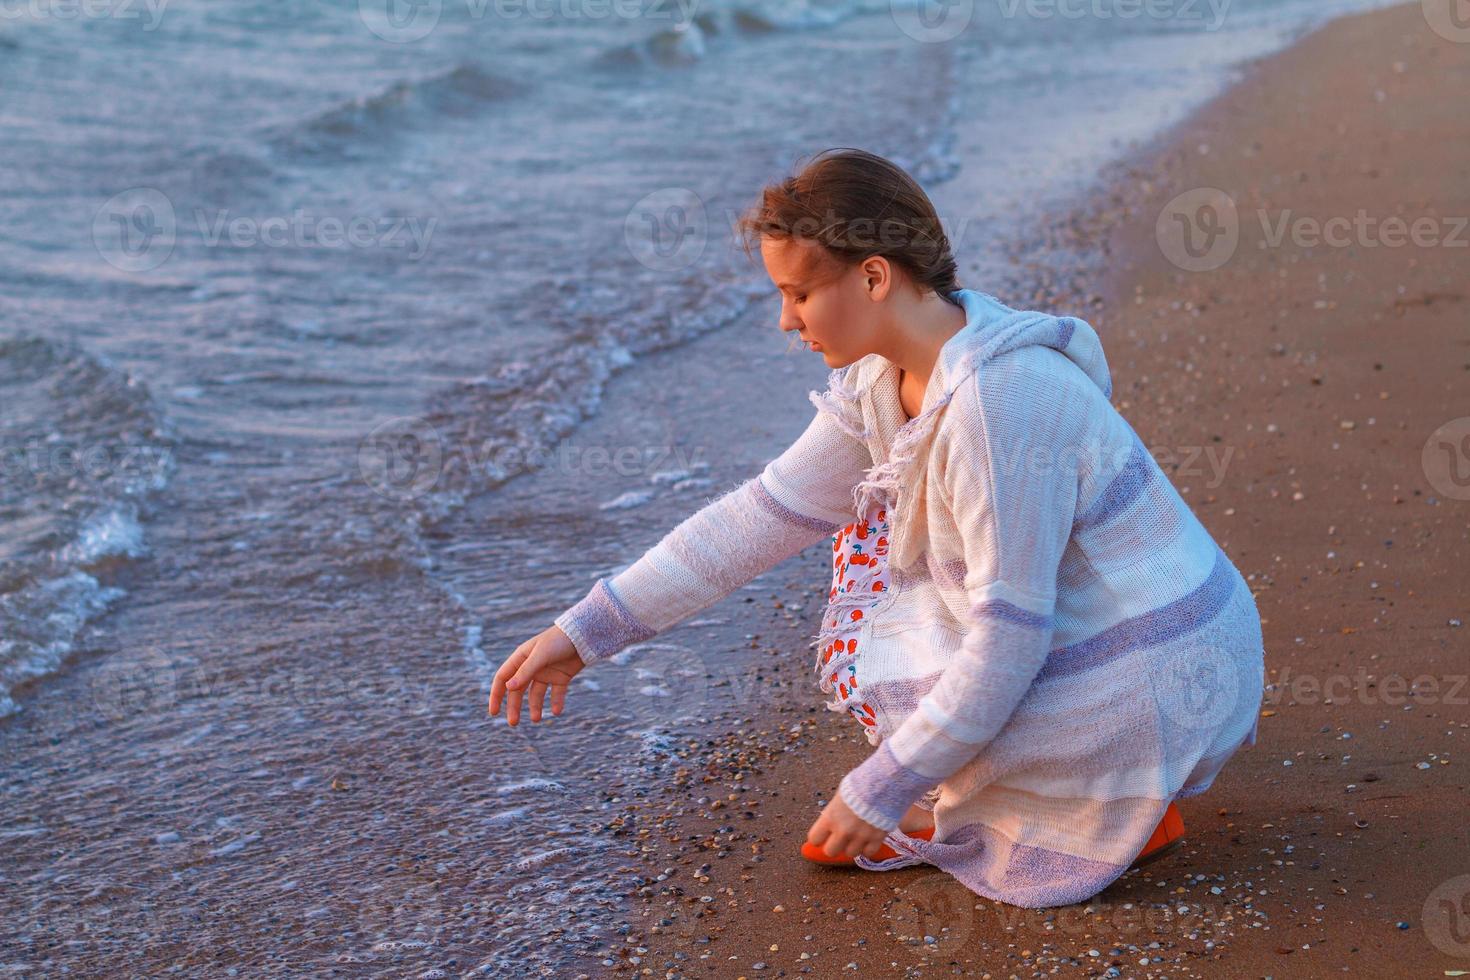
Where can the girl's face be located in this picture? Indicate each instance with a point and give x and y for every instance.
(824, 304)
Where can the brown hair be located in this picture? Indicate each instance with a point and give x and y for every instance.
(856, 204)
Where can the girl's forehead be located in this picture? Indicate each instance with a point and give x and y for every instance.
(799, 262)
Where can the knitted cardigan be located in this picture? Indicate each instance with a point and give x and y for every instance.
(1064, 648)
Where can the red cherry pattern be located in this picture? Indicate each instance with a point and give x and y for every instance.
(859, 567)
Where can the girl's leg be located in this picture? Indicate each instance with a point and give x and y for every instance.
(917, 818)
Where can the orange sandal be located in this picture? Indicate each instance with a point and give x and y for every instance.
(1168, 835)
(813, 853)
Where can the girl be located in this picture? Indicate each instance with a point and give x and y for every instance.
(1043, 642)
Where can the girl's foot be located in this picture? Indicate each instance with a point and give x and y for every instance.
(916, 819)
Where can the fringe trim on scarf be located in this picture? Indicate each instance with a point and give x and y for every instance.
(837, 400)
(881, 485)
(903, 859)
(886, 481)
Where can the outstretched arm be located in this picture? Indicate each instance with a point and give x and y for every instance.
(800, 497)
(1012, 479)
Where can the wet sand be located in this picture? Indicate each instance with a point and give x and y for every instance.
(1295, 388)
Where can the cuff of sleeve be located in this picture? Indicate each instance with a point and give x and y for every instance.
(599, 626)
(882, 789)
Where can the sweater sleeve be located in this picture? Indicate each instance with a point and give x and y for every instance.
(800, 497)
(1011, 476)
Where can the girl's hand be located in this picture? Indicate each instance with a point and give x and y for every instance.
(546, 660)
(839, 831)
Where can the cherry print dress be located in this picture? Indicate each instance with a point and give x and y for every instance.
(859, 583)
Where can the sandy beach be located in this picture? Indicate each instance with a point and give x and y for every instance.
(1298, 386)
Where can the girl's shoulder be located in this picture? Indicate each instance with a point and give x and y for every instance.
(1031, 376)
(1021, 396)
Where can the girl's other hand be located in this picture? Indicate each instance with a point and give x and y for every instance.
(839, 831)
(547, 660)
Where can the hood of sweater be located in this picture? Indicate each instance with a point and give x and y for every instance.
(991, 329)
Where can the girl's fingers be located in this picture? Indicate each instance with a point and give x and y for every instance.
(505, 673)
(558, 698)
(513, 712)
(524, 672)
(537, 696)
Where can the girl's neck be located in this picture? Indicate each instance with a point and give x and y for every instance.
(917, 336)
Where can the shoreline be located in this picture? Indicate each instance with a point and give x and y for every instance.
(1266, 881)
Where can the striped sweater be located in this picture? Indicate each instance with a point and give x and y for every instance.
(1063, 648)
